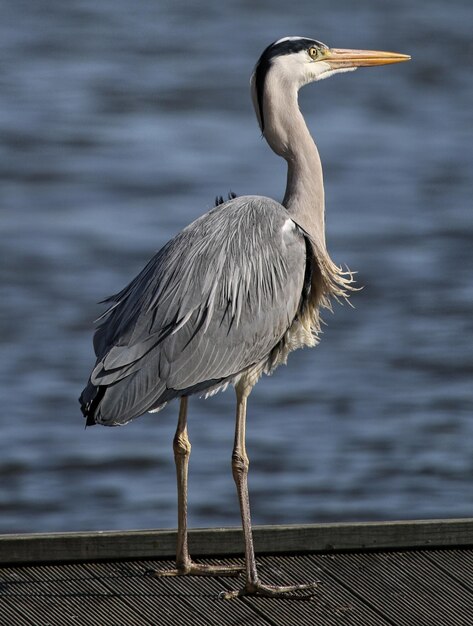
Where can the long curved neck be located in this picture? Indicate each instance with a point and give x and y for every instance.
(286, 132)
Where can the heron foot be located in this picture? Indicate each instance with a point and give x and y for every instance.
(200, 569)
(273, 591)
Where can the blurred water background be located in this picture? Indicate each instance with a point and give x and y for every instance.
(120, 121)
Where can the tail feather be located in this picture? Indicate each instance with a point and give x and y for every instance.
(89, 400)
(119, 403)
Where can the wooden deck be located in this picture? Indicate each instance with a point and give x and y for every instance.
(403, 573)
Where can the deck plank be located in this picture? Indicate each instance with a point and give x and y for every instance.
(331, 605)
(404, 586)
(457, 564)
(121, 593)
(10, 614)
(179, 600)
(107, 545)
(63, 595)
(360, 585)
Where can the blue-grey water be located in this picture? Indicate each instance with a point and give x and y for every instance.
(120, 121)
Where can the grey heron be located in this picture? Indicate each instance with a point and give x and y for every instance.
(230, 296)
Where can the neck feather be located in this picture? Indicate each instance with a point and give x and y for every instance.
(286, 132)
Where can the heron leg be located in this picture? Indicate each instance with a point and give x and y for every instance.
(240, 463)
(184, 564)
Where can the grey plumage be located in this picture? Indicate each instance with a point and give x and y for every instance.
(232, 294)
(214, 301)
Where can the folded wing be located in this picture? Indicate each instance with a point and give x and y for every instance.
(210, 304)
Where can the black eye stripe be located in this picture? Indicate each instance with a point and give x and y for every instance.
(290, 46)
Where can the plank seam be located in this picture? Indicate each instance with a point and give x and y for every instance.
(441, 568)
(363, 600)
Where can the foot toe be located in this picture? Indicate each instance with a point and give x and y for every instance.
(273, 591)
(200, 569)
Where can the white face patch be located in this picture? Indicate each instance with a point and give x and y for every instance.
(293, 69)
(299, 69)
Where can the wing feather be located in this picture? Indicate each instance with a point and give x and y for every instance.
(211, 303)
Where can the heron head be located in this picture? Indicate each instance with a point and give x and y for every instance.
(296, 61)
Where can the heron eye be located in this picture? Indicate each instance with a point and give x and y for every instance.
(313, 52)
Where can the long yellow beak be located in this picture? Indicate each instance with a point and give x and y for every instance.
(339, 57)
